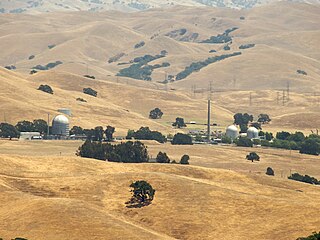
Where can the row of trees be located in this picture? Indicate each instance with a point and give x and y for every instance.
(95, 134)
(162, 157)
(9, 131)
(144, 133)
(243, 120)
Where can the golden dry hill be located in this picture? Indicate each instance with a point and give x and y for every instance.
(66, 197)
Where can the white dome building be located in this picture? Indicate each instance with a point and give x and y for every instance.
(60, 125)
(232, 132)
(252, 133)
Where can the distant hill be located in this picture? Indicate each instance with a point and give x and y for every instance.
(34, 6)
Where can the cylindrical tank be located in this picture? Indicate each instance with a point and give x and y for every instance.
(252, 133)
(65, 111)
(232, 132)
(60, 125)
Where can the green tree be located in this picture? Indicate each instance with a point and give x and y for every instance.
(253, 156)
(90, 91)
(283, 135)
(242, 119)
(162, 158)
(179, 123)
(305, 178)
(264, 118)
(25, 126)
(40, 125)
(98, 134)
(297, 137)
(185, 159)
(144, 133)
(155, 113)
(226, 139)
(270, 171)
(314, 236)
(109, 133)
(8, 131)
(143, 194)
(310, 146)
(76, 130)
(243, 142)
(182, 139)
(45, 88)
(94, 150)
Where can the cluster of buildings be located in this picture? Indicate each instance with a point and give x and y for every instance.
(233, 132)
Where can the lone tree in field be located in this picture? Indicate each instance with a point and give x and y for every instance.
(45, 88)
(264, 118)
(270, 171)
(253, 156)
(179, 123)
(185, 159)
(155, 113)
(90, 91)
(143, 194)
(8, 131)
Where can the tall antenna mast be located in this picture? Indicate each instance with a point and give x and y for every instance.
(288, 90)
(48, 129)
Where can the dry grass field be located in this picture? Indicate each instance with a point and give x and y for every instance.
(219, 196)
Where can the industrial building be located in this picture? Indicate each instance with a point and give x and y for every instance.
(252, 133)
(30, 136)
(232, 132)
(60, 126)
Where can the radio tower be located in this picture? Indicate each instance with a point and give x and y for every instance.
(209, 112)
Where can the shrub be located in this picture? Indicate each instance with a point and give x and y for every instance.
(226, 48)
(140, 44)
(51, 46)
(155, 113)
(179, 123)
(45, 88)
(185, 159)
(31, 57)
(305, 178)
(11, 67)
(48, 66)
(76, 130)
(270, 171)
(88, 76)
(245, 46)
(90, 91)
(301, 72)
(33, 71)
(314, 236)
(265, 143)
(144, 133)
(181, 139)
(256, 141)
(162, 158)
(253, 156)
(226, 139)
(81, 100)
(143, 194)
(243, 142)
(221, 38)
(197, 66)
(116, 57)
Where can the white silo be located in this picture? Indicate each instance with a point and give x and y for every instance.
(232, 132)
(60, 125)
(252, 133)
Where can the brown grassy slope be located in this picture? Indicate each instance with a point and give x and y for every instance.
(69, 197)
(286, 37)
(120, 105)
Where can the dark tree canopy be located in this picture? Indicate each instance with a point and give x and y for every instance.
(310, 146)
(270, 171)
(253, 156)
(242, 119)
(144, 133)
(8, 131)
(90, 91)
(283, 135)
(109, 133)
(155, 113)
(264, 118)
(45, 88)
(185, 159)
(98, 134)
(243, 142)
(305, 178)
(179, 123)
(182, 139)
(25, 126)
(76, 130)
(314, 236)
(143, 194)
(40, 125)
(162, 157)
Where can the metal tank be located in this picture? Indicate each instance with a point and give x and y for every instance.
(232, 132)
(252, 133)
(60, 125)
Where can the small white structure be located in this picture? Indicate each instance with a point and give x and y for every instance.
(252, 133)
(232, 132)
(60, 125)
(30, 136)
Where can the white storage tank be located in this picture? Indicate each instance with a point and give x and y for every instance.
(232, 132)
(60, 125)
(252, 133)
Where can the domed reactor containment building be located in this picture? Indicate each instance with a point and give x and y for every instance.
(232, 132)
(60, 126)
(252, 133)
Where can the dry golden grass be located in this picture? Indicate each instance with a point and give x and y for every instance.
(66, 197)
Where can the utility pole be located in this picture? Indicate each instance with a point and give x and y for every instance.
(283, 97)
(250, 99)
(278, 98)
(288, 91)
(209, 112)
(48, 130)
